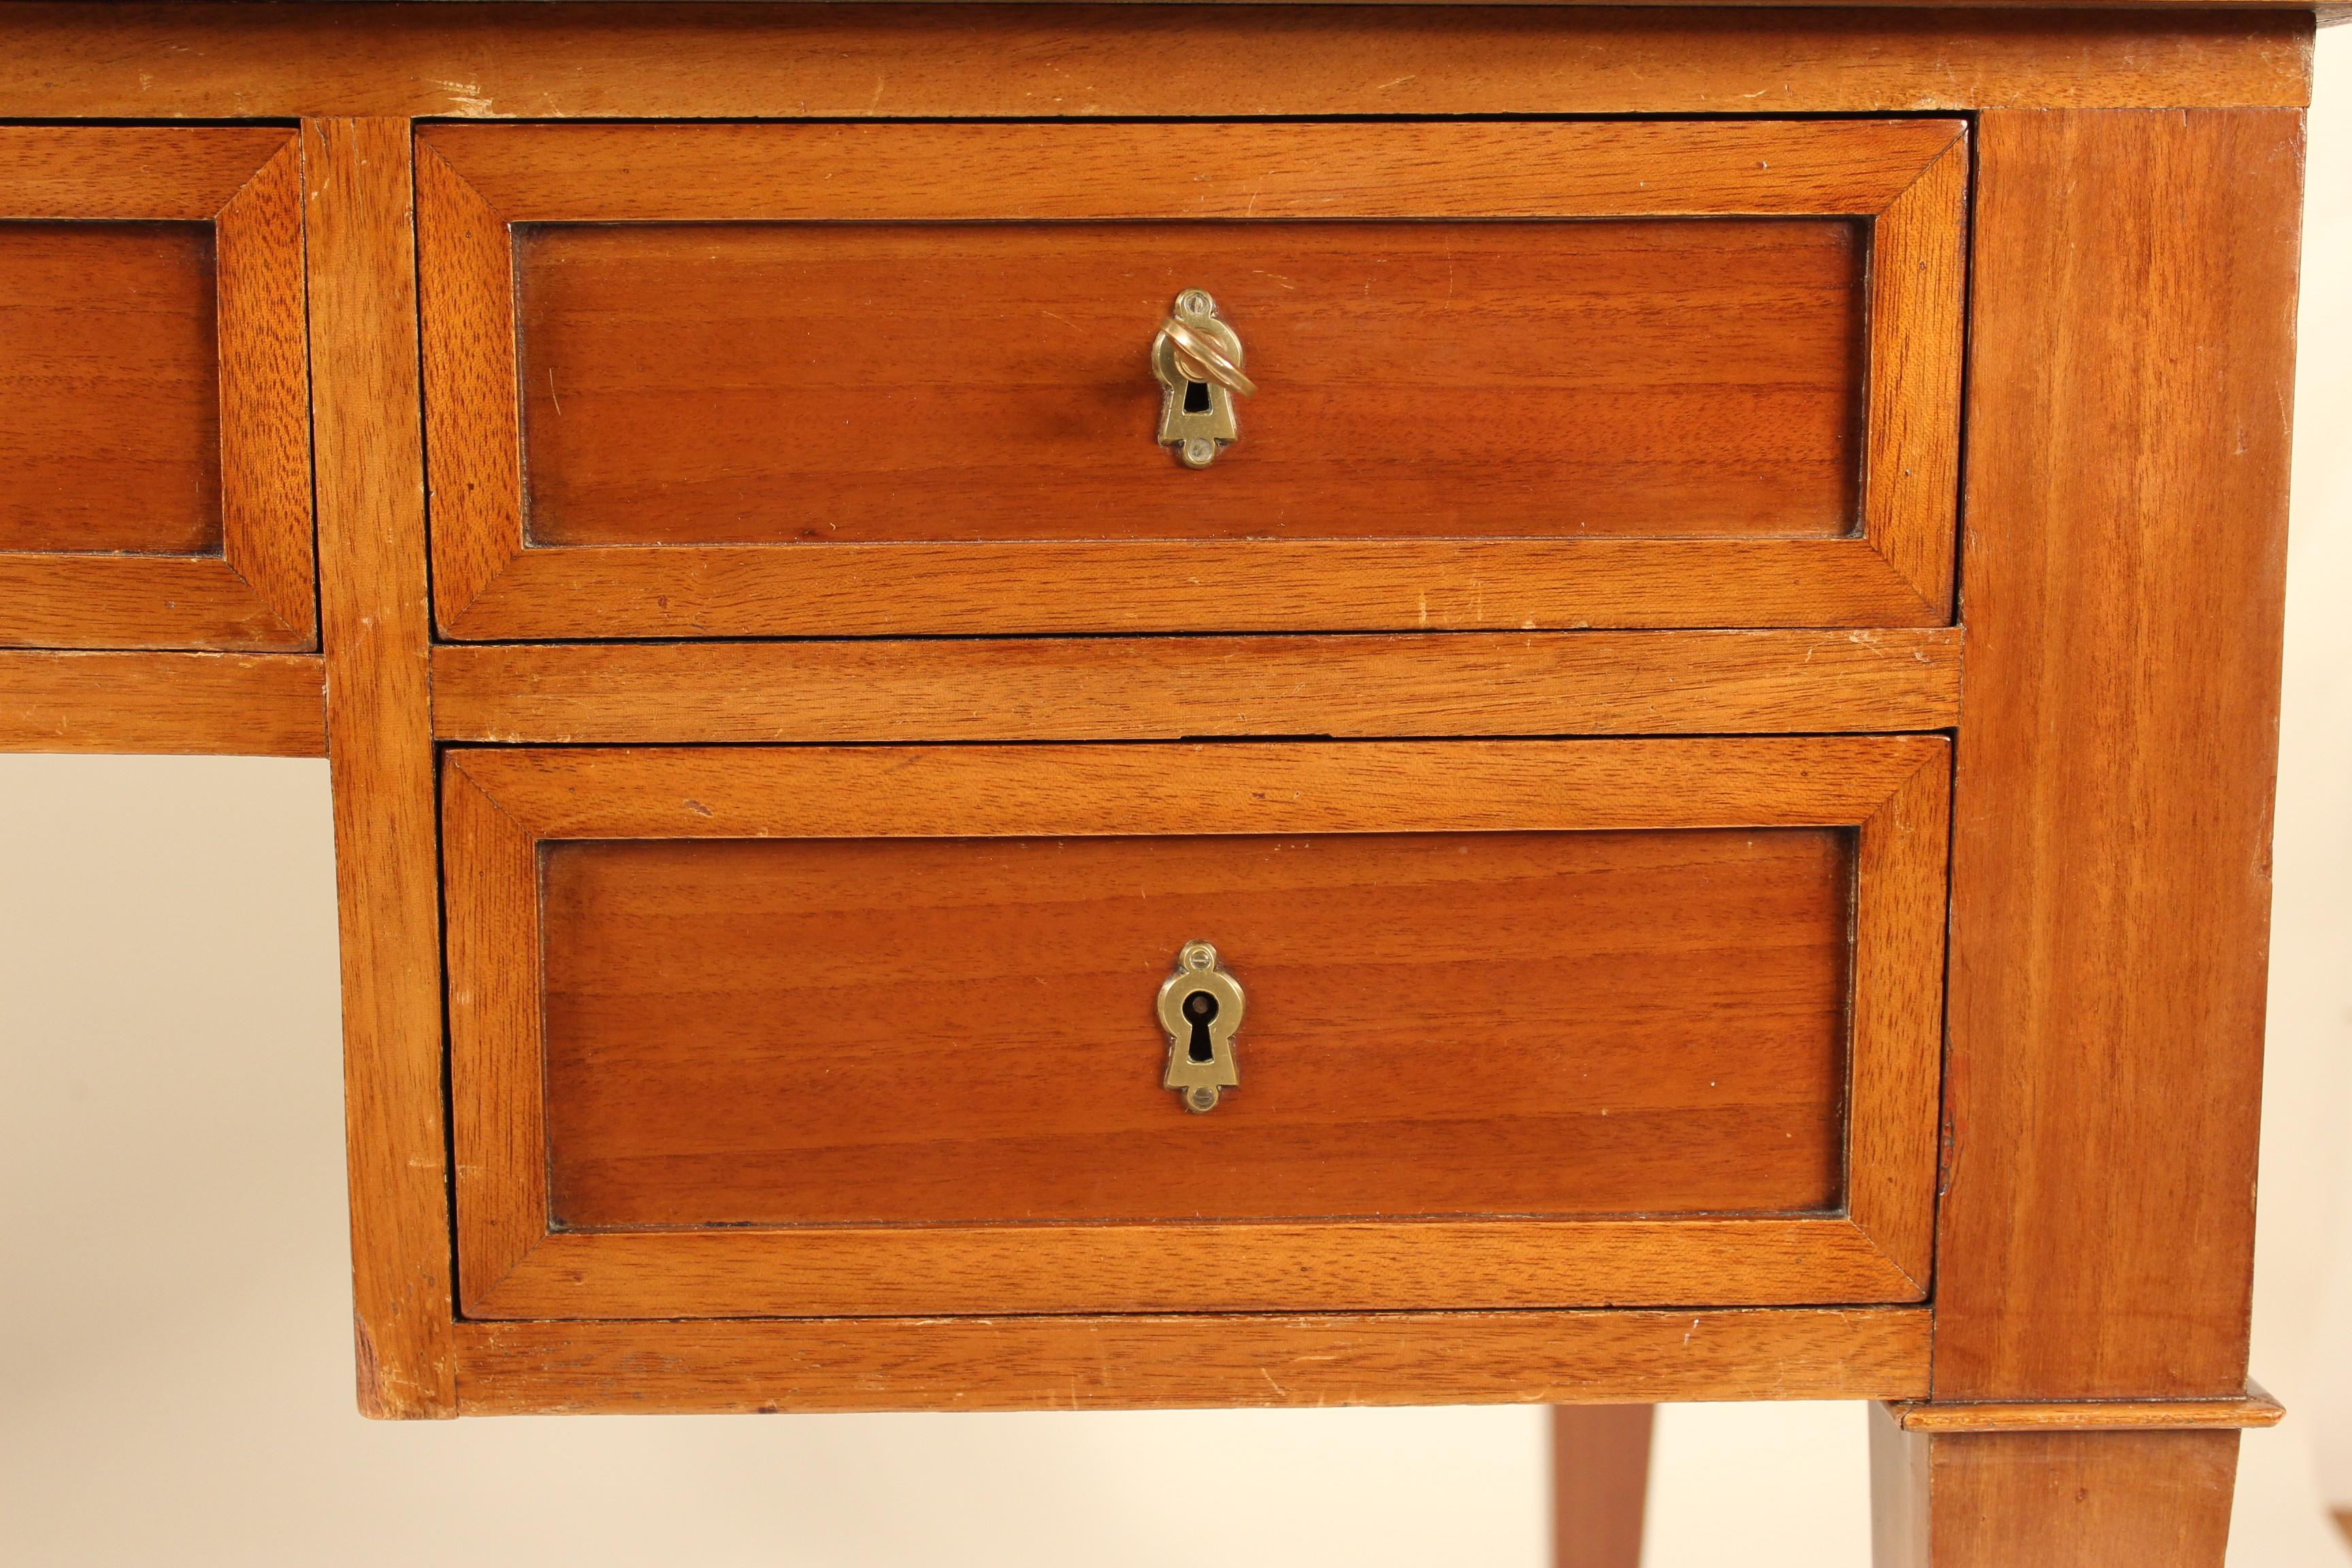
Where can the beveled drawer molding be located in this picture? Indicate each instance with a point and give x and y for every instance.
(1703, 444)
(1165, 688)
(154, 399)
(1134, 1360)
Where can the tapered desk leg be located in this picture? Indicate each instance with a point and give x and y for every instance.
(1601, 1477)
(2049, 1500)
(2123, 557)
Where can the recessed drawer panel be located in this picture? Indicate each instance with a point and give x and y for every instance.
(112, 440)
(1473, 1024)
(772, 383)
(881, 1030)
(875, 379)
(154, 412)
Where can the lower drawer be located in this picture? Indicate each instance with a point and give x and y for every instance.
(812, 1031)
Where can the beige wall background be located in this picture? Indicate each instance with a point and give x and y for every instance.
(2303, 1277)
(175, 1361)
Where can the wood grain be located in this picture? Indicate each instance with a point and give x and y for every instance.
(1205, 1265)
(1896, 1015)
(1154, 587)
(1181, 687)
(145, 174)
(1600, 1483)
(1698, 682)
(1128, 1362)
(503, 804)
(373, 597)
(1046, 172)
(265, 382)
(491, 893)
(748, 61)
(1440, 786)
(152, 390)
(2134, 295)
(2050, 1499)
(110, 392)
(709, 384)
(932, 1031)
(266, 705)
(2134, 279)
(473, 426)
(2252, 1408)
(669, 508)
(1911, 471)
(69, 600)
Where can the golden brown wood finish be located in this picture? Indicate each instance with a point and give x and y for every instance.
(131, 174)
(152, 389)
(372, 595)
(2252, 1408)
(270, 705)
(1243, 1266)
(2135, 297)
(742, 384)
(1600, 1482)
(500, 804)
(1045, 172)
(264, 426)
(109, 398)
(1127, 1361)
(2134, 279)
(957, 1030)
(1895, 1057)
(476, 183)
(862, 792)
(1169, 688)
(898, 590)
(2049, 1500)
(751, 61)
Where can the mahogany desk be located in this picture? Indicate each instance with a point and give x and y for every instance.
(1083, 706)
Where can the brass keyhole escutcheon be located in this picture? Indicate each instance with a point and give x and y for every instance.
(1200, 1008)
(1198, 359)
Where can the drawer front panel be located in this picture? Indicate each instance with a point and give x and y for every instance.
(962, 1030)
(110, 435)
(820, 1030)
(154, 412)
(884, 379)
(704, 384)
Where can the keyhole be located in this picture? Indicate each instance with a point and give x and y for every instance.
(1196, 400)
(1201, 1008)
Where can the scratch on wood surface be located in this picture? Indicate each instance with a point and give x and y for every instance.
(466, 98)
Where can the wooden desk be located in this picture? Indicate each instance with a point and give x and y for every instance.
(1716, 706)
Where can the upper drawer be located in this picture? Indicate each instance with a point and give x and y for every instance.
(877, 379)
(154, 407)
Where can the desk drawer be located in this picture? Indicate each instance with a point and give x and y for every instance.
(155, 409)
(840, 1030)
(888, 379)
